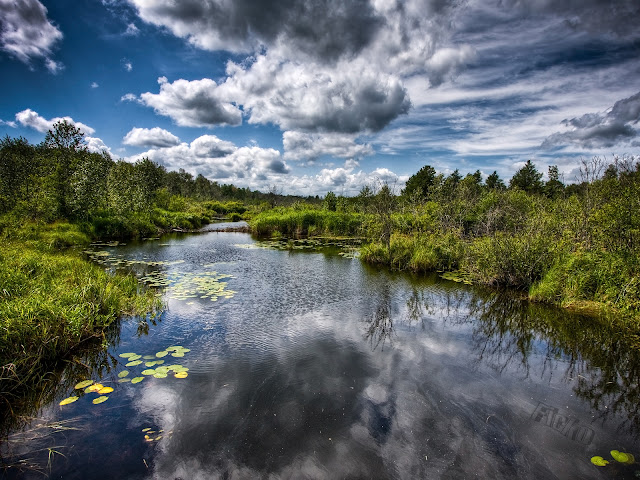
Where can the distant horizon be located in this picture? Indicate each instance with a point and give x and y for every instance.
(331, 95)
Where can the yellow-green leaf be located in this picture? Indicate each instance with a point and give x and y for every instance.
(137, 379)
(104, 390)
(134, 363)
(123, 373)
(622, 457)
(84, 383)
(160, 375)
(100, 399)
(599, 461)
(148, 372)
(124, 380)
(69, 400)
(161, 354)
(93, 388)
(126, 355)
(181, 375)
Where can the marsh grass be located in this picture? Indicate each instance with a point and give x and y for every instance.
(52, 301)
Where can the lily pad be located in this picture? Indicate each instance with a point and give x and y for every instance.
(126, 355)
(69, 400)
(83, 384)
(148, 372)
(134, 363)
(123, 373)
(149, 364)
(163, 369)
(149, 357)
(162, 353)
(174, 347)
(93, 388)
(177, 354)
(104, 390)
(622, 457)
(181, 375)
(599, 461)
(124, 380)
(146, 429)
(137, 379)
(160, 375)
(135, 357)
(100, 399)
(185, 350)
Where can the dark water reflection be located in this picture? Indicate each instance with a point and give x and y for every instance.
(320, 367)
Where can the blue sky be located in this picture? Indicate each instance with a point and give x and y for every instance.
(322, 95)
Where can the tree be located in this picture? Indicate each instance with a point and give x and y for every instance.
(527, 179)
(330, 201)
(421, 183)
(65, 136)
(553, 188)
(494, 182)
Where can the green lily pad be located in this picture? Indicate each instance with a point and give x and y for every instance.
(149, 364)
(174, 347)
(100, 399)
(160, 375)
(83, 384)
(135, 357)
(623, 457)
(123, 373)
(137, 379)
(185, 350)
(124, 380)
(149, 357)
(148, 372)
(162, 353)
(126, 355)
(69, 400)
(599, 461)
(134, 363)
(146, 429)
(177, 354)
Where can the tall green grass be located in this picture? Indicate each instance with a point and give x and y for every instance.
(52, 300)
(302, 222)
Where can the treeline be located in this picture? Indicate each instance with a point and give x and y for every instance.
(61, 179)
(575, 245)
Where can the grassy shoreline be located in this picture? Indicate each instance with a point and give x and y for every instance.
(540, 260)
(53, 301)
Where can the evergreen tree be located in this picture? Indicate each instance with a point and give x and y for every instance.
(527, 179)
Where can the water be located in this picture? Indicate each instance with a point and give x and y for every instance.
(312, 365)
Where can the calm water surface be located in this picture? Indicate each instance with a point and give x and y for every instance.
(313, 365)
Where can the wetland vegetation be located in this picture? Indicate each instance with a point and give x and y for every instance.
(64, 286)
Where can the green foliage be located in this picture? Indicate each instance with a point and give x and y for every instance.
(52, 301)
(330, 201)
(309, 221)
(527, 179)
(421, 183)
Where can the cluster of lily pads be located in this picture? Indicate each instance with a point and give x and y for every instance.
(89, 386)
(304, 244)
(621, 457)
(134, 360)
(162, 371)
(180, 285)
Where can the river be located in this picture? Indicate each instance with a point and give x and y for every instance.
(305, 363)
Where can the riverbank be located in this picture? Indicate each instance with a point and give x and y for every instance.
(52, 301)
(536, 247)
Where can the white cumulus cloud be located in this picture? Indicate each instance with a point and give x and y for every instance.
(31, 119)
(26, 32)
(150, 137)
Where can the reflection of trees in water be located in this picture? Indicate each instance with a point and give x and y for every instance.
(380, 324)
(510, 331)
